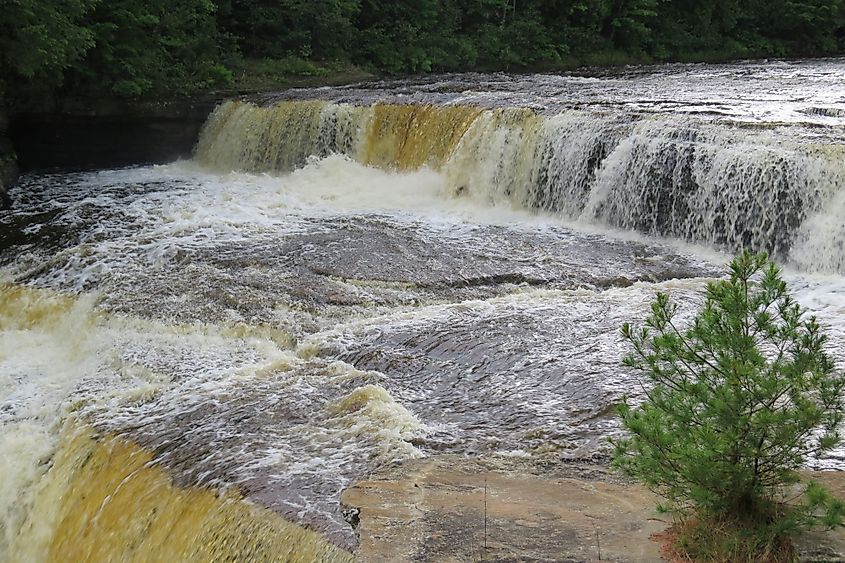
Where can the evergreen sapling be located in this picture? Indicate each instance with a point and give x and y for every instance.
(735, 404)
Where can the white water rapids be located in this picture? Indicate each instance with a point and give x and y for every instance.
(345, 278)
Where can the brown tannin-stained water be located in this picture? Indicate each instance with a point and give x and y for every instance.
(197, 358)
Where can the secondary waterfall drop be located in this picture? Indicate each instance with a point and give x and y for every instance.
(103, 499)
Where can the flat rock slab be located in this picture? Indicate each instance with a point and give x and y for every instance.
(434, 510)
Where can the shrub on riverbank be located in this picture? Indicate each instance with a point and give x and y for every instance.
(735, 405)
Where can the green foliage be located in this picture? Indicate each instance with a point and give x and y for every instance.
(154, 47)
(39, 39)
(735, 405)
(158, 48)
(320, 29)
(288, 66)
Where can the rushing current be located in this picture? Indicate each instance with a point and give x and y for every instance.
(197, 358)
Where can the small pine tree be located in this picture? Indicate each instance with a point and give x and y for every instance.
(735, 404)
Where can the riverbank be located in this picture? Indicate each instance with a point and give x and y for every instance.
(91, 131)
(451, 508)
(8, 159)
(84, 133)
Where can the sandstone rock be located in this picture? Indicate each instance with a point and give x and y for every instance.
(434, 510)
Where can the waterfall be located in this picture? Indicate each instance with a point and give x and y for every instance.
(409, 137)
(725, 185)
(73, 490)
(198, 358)
(722, 187)
(103, 499)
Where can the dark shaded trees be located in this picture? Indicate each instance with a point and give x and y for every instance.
(155, 47)
(161, 47)
(320, 29)
(39, 39)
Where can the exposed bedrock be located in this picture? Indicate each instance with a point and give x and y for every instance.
(8, 160)
(451, 508)
(90, 134)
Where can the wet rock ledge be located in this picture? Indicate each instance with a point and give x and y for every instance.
(434, 510)
(91, 133)
(8, 160)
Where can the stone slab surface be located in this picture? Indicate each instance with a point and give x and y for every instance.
(434, 510)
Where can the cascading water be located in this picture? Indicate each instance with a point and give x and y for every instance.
(197, 358)
(728, 186)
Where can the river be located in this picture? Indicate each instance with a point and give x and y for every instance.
(198, 357)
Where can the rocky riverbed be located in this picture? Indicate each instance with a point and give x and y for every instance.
(379, 285)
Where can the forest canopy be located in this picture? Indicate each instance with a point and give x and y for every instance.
(158, 48)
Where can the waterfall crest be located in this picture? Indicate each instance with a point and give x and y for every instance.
(724, 185)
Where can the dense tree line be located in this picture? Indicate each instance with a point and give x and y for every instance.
(154, 48)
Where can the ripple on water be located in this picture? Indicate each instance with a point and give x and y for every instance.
(277, 335)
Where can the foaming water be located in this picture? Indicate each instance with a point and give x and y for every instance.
(104, 499)
(217, 408)
(198, 357)
(678, 177)
(45, 351)
(190, 314)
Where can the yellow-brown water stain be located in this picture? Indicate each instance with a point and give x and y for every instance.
(412, 136)
(105, 499)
